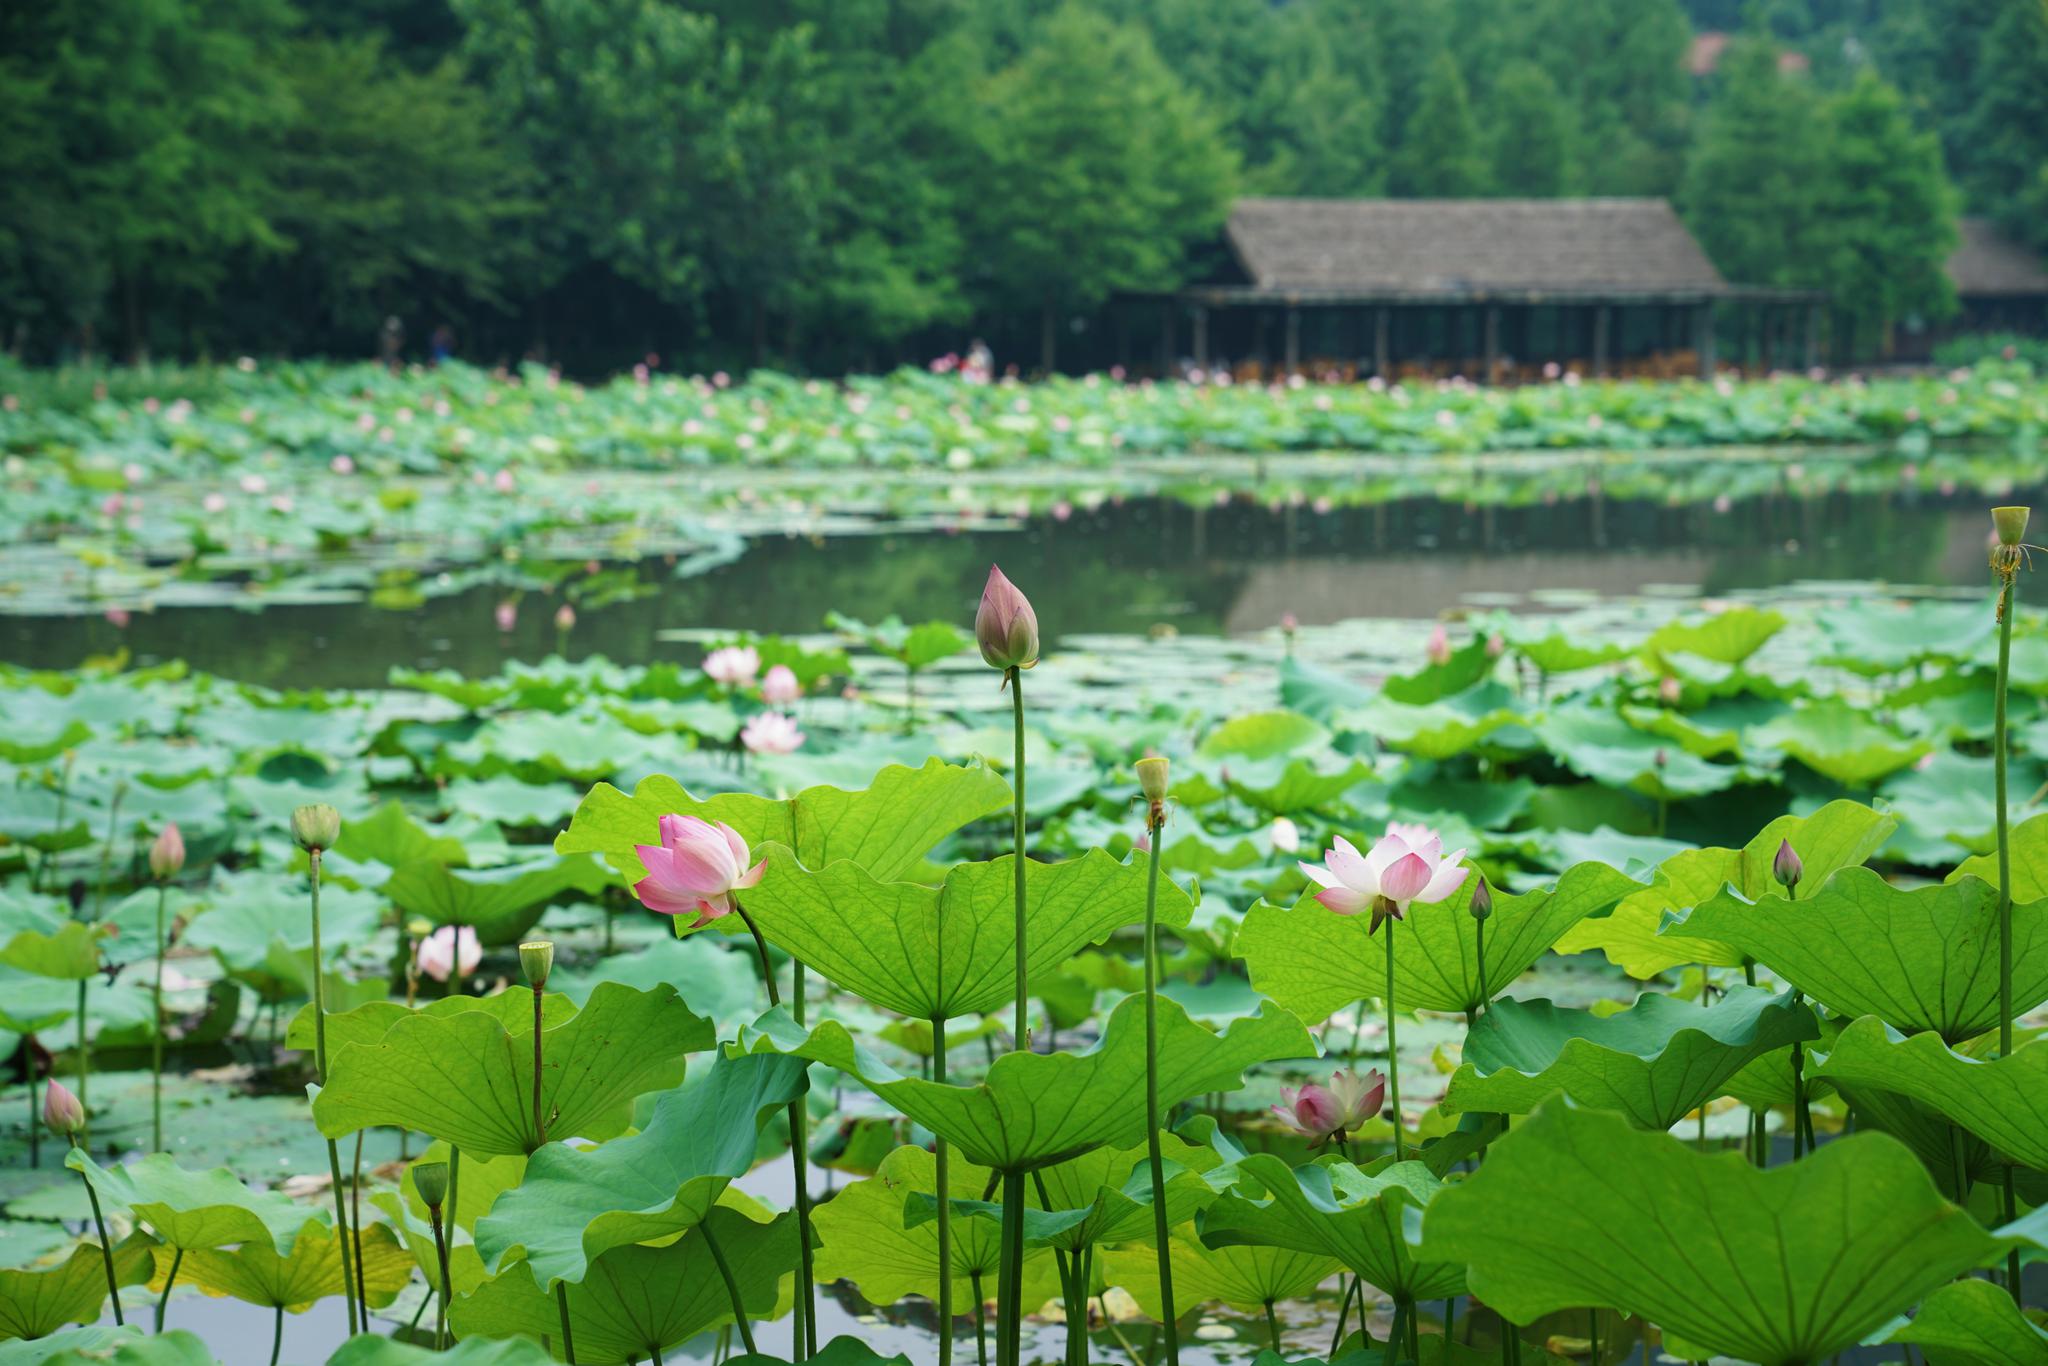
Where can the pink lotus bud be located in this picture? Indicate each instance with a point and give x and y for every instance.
(167, 855)
(1439, 648)
(1669, 690)
(733, 665)
(1786, 865)
(1286, 835)
(506, 614)
(1481, 905)
(61, 1110)
(1496, 645)
(771, 732)
(565, 617)
(1289, 623)
(439, 953)
(780, 687)
(695, 869)
(1310, 1110)
(1005, 626)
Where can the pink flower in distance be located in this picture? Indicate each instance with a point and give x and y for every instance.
(506, 614)
(1407, 865)
(780, 687)
(695, 869)
(770, 732)
(733, 665)
(439, 952)
(1439, 647)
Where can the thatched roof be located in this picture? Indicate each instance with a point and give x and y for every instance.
(1450, 249)
(1987, 262)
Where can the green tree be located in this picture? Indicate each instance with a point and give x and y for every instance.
(1439, 157)
(1531, 140)
(1752, 186)
(1098, 170)
(2003, 162)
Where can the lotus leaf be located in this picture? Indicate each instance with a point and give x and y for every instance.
(188, 1209)
(256, 1274)
(34, 1304)
(1974, 1323)
(2003, 1101)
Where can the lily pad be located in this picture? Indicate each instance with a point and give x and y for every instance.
(2003, 1101)
(500, 904)
(1839, 741)
(374, 1349)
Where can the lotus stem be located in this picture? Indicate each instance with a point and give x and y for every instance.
(156, 1043)
(980, 1319)
(277, 1336)
(1157, 824)
(1593, 1332)
(732, 1289)
(1479, 953)
(440, 1257)
(562, 1312)
(540, 1128)
(1022, 1030)
(355, 1224)
(357, 1314)
(1343, 1316)
(2009, 586)
(1394, 1054)
(177, 1260)
(760, 949)
(84, 1067)
(1397, 1332)
(99, 1222)
(1010, 1274)
(800, 1152)
(944, 1182)
(1450, 1322)
(1273, 1326)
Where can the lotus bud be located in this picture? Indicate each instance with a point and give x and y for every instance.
(316, 827)
(2011, 524)
(1786, 866)
(61, 1110)
(430, 1179)
(1005, 627)
(536, 959)
(1481, 904)
(167, 855)
(1439, 647)
(565, 617)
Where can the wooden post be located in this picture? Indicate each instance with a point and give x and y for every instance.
(1812, 335)
(1167, 344)
(1293, 339)
(1600, 325)
(1201, 337)
(1492, 344)
(1704, 339)
(1381, 357)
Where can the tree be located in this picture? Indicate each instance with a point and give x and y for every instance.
(1531, 134)
(2005, 131)
(1098, 171)
(1752, 186)
(1439, 158)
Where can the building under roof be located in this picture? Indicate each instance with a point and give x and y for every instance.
(1990, 269)
(1482, 287)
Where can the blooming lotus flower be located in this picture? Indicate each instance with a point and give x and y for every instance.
(733, 665)
(1309, 1110)
(61, 1110)
(1325, 1112)
(771, 732)
(1407, 865)
(167, 855)
(695, 869)
(1358, 1098)
(506, 614)
(780, 686)
(441, 952)
(1005, 627)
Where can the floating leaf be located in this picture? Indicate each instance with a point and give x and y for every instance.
(467, 1078)
(1655, 1062)
(574, 1205)
(1785, 1266)
(1604, 747)
(34, 1304)
(390, 836)
(255, 1273)
(1726, 637)
(1262, 735)
(1924, 959)
(2003, 1101)
(883, 942)
(195, 1209)
(1974, 1323)
(500, 904)
(1840, 741)
(369, 1022)
(1334, 1209)
(1315, 963)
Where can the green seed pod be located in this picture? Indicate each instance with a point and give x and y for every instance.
(536, 959)
(316, 828)
(430, 1179)
(1152, 779)
(2011, 524)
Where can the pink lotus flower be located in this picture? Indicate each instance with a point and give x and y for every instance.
(342, 464)
(1407, 865)
(1286, 835)
(565, 617)
(506, 614)
(61, 1110)
(695, 869)
(1669, 690)
(770, 732)
(733, 665)
(118, 618)
(1324, 1112)
(167, 855)
(1005, 626)
(438, 953)
(1439, 647)
(780, 687)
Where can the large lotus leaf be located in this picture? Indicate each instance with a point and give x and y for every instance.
(1578, 1209)
(1315, 963)
(468, 1078)
(70, 1345)
(1334, 1209)
(1296, 785)
(886, 827)
(950, 951)
(70, 952)
(1034, 1109)
(1435, 730)
(865, 1237)
(1974, 1323)
(1873, 637)
(637, 1301)
(1726, 637)
(500, 904)
(1263, 735)
(465, 1267)
(195, 1209)
(374, 1349)
(34, 1304)
(475, 1188)
(256, 1274)
(1841, 834)
(390, 836)
(176, 1347)
(840, 1351)
(1102, 1196)
(2003, 1101)
(1602, 746)
(2028, 846)
(575, 1205)
(247, 912)
(1655, 1062)
(369, 1022)
(1243, 1276)
(1925, 959)
(1839, 741)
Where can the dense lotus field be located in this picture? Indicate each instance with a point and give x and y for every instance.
(1644, 979)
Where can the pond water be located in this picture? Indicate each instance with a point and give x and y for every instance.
(1137, 566)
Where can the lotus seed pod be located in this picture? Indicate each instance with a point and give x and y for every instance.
(2011, 524)
(536, 959)
(1152, 779)
(316, 827)
(430, 1179)
(419, 927)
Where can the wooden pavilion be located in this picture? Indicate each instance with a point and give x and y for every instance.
(2001, 285)
(1491, 289)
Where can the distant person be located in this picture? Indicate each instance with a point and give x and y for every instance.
(980, 365)
(391, 343)
(441, 346)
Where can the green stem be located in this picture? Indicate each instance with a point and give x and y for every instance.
(1010, 1274)
(800, 1131)
(944, 1182)
(1397, 1332)
(1153, 1155)
(562, 1312)
(1593, 1331)
(540, 1128)
(1479, 950)
(1962, 1168)
(980, 1319)
(106, 1250)
(348, 1291)
(1802, 1139)
(177, 1260)
(355, 1224)
(277, 1336)
(156, 1038)
(1999, 746)
(760, 949)
(1343, 1316)
(1022, 1029)
(1393, 1052)
(441, 1257)
(84, 1069)
(732, 1290)
(1273, 1325)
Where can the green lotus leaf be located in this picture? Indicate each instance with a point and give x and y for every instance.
(1974, 1323)
(1874, 637)
(865, 1237)
(465, 1267)
(1924, 959)
(1102, 1196)
(575, 1205)
(500, 904)
(254, 1273)
(1243, 1276)
(2028, 846)
(886, 827)
(188, 1209)
(882, 940)
(840, 1351)
(369, 1022)
(1333, 1209)
(247, 913)
(1315, 963)
(69, 1345)
(374, 1349)
(1841, 834)
(1035, 1109)
(637, 1301)
(35, 1304)
(1602, 746)
(174, 1348)
(70, 952)
(1295, 786)
(475, 1188)
(1839, 741)
(1655, 1062)
(1726, 637)
(1434, 730)
(2003, 1101)
(390, 836)
(468, 1078)
(1785, 1266)
(1262, 735)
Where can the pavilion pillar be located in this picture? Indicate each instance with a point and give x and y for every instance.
(1812, 347)
(1168, 346)
(1201, 337)
(1602, 321)
(1493, 344)
(1293, 342)
(1381, 357)
(1703, 339)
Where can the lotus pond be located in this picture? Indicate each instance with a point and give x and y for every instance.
(1483, 965)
